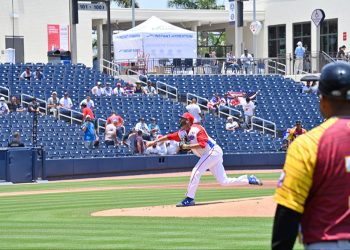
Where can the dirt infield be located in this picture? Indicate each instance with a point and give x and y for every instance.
(248, 207)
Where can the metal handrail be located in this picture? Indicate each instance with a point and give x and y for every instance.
(230, 110)
(99, 120)
(166, 90)
(8, 93)
(263, 127)
(69, 116)
(38, 99)
(111, 68)
(132, 76)
(275, 67)
(189, 97)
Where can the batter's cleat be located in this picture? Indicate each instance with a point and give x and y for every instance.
(253, 180)
(186, 202)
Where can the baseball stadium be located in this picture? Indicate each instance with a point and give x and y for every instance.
(174, 124)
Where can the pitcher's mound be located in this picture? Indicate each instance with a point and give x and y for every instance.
(247, 207)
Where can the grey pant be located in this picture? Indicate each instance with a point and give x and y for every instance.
(329, 245)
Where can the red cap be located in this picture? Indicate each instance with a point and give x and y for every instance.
(188, 116)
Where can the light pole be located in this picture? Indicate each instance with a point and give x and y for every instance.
(133, 13)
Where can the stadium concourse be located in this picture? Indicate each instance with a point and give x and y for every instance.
(280, 101)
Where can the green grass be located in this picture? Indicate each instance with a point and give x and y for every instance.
(110, 183)
(63, 221)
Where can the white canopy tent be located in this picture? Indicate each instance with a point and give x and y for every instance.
(155, 38)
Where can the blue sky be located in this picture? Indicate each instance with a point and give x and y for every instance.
(153, 4)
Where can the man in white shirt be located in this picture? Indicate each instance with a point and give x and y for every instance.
(119, 90)
(231, 125)
(141, 125)
(108, 91)
(172, 147)
(195, 110)
(247, 61)
(4, 109)
(248, 109)
(66, 102)
(149, 89)
(89, 103)
(97, 90)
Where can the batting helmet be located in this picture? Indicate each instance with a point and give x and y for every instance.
(335, 80)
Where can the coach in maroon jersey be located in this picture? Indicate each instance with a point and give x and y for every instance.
(314, 189)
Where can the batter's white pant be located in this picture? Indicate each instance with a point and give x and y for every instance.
(213, 161)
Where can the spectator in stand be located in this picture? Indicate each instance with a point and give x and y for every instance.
(296, 131)
(111, 133)
(149, 89)
(129, 88)
(66, 102)
(154, 128)
(15, 105)
(119, 125)
(172, 147)
(248, 109)
(16, 141)
(242, 124)
(90, 135)
(214, 63)
(33, 106)
(307, 88)
(119, 91)
(4, 109)
(89, 103)
(314, 87)
(38, 75)
(141, 125)
(53, 104)
(139, 89)
(98, 89)
(86, 112)
(231, 62)
(195, 110)
(341, 53)
(299, 58)
(108, 91)
(214, 103)
(247, 62)
(139, 144)
(158, 148)
(27, 74)
(231, 125)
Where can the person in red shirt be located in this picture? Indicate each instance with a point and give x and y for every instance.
(119, 125)
(86, 111)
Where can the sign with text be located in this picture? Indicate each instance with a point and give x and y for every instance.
(58, 37)
(92, 6)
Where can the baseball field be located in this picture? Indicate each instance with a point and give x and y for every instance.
(137, 212)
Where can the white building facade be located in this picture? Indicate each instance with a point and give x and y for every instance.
(284, 22)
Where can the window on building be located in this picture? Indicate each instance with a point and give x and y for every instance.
(302, 32)
(329, 36)
(277, 40)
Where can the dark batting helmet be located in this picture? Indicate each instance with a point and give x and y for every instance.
(335, 81)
